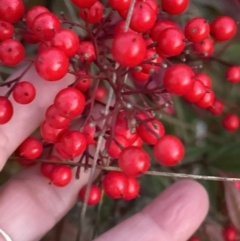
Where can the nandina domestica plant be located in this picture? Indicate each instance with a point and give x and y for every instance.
(135, 93)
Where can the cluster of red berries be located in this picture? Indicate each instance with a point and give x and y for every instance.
(142, 43)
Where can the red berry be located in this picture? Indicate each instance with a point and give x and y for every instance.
(233, 74)
(223, 28)
(46, 168)
(29, 37)
(139, 76)
(11, 11)
(153, 3)
(52, 64)
(119, 4)
(89, 132)
(138, 142)
(197, 29)
(143, 17)
(134, 161)
(61, 175)
(217, 107)
(128, 49)
(178, 79)
(73, 143)
(160, 26)
(54, 119)
(122, 128)
(50, 134)
(150, 53)
(115, 185)
(231, 122)
(86, 52)
(230, 233)
(119, 28)
(83, 83)
(6, 110)
(84, 3)
(31, 148)
(94, 14)
(169, 150)
(151, 131)
(94, 195)
(205, 47)
(101, 93)
(205, 79)
(24, 92)
(45, 25)
(174, 7)
(171, 42)
(6, 30)
(11, 52)
(115, 147)
(207, 99)
(133, 189)
(194, 238)
(67, 41)
(70, 102)
(33, 13)
(196, 93)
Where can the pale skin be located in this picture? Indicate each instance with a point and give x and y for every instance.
(29, 207)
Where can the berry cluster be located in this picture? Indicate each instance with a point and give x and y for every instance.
(131, 49)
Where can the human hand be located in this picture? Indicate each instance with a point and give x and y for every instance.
(29, 207)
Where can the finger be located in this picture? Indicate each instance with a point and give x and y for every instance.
(29, 206)
(174, 215)
(27, 118)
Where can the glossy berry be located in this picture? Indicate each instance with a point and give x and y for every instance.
(160, 26)
(33, 13)
(86, 52)
(154, 5)
(115, 147)
(72, 143)
(11, 11)
(155, 59)
(207, 99)
(119, 28)
(29, 37)
(6, 110)
(151, 131)
(46, 168)
(233, 74)
(31, 148)
(101, 93)
(230, 233)
(94, 14)
(223, 28)
(67, 41)
(61, 175)
(138, 142)
(217, 107)
(89, 132)
(170, 42)
(174, 7)
(133, 189)
(6, 30)
(50, 134)
(119, 4)
(133, 52)
(45, 25)
(51, 64)
(139, 76)
(197, 29)
(134, 161)
(231, 122)
(178, 79)
(204, 48)
(84, 3)
(83, 83)
(115, 185)
(24, 92)
(169, 150)
(194, 238)
(196, 93)
(94, 195)
(54, 119)
(122, 128)
(70, 102)
(11, 52)
(205, 79)
(143, 18)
